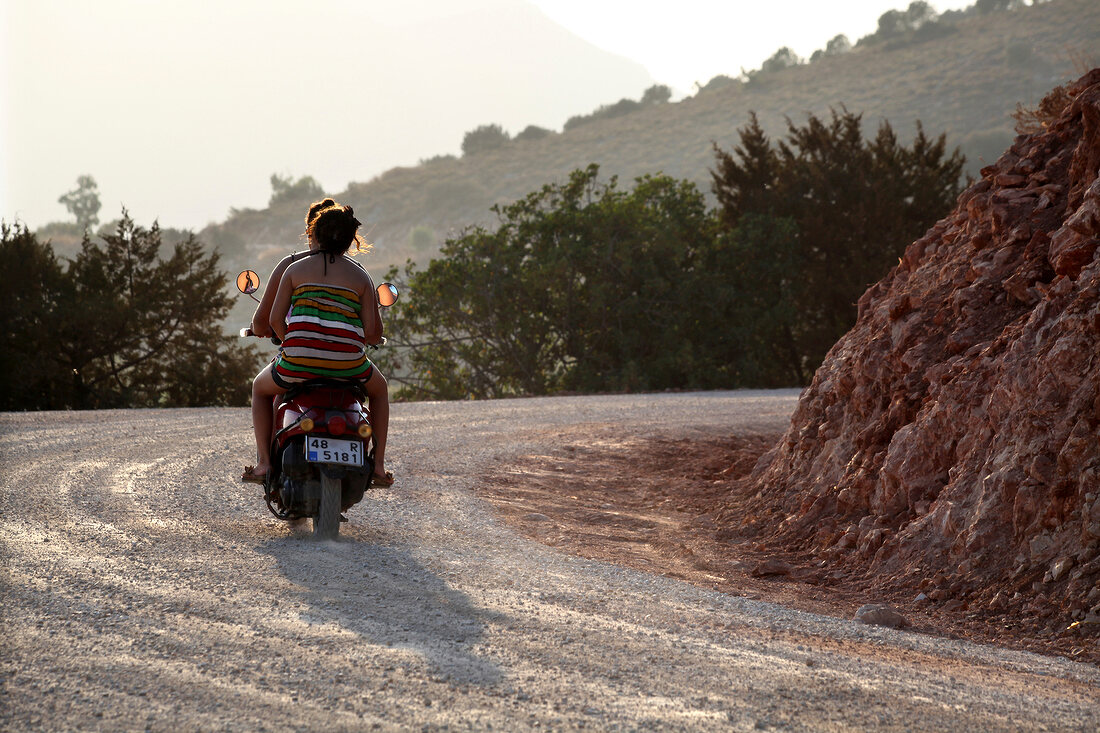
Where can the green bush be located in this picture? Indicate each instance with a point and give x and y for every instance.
(586, 287)
(580, 287)
(121, 326)
(483, 139)
(851, 205)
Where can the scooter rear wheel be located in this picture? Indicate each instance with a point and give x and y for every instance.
(326, 525)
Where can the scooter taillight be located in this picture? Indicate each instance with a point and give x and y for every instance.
(337, 425)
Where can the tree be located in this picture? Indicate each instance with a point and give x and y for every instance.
(657, 94)
(144, 331)
(754, 292)
(31, 376)
(604, 112)
(918, 14)
(83, 202)
(483, 139)
(836, 46)
(782, 59)
(746, 182)
(717, 82)
(533, 132)
(421, 238)
(581, 286)
(436, 159)
(997, 6)
(654, 95)
(891, 24)
(852, 206)
(918, 22)
(285, 190)
(121, 326)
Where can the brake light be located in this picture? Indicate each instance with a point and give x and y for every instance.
(337, 425)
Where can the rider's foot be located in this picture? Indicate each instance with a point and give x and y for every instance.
(382, 479)
(255, 474)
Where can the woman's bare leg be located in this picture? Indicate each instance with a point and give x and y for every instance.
(263, 414)
(378, 400)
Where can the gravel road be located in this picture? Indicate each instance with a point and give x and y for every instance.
(145, 588)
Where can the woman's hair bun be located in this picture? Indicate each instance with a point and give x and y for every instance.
(334, 228)
(317, 208)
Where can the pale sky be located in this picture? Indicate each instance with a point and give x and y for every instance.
(682, 42)
(181, 109)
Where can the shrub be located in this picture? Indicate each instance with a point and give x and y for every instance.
(484, 139)
(533, 132)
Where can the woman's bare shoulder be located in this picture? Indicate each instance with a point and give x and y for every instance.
(281, 266)
(356, 272)
(296, 257)
(299, 268)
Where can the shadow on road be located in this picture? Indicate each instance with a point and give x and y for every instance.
(382, 593)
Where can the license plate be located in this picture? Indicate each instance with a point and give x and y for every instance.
(332, 450)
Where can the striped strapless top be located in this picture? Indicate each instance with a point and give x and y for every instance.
(324, 337)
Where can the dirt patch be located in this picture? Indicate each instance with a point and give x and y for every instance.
(655, 505)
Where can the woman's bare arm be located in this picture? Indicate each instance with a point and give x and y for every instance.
(261, 319)
(281, 305)
(370, 313)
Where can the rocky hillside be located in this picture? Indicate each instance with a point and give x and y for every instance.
(966, 83)
(950, 442)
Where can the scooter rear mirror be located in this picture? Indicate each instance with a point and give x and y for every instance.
(387, 294)
(248, 282)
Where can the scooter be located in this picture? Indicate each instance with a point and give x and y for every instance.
(321, 465)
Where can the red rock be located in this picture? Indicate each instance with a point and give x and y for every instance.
(1006, 180)
(772, 566)
(955, 427)
(880, 616)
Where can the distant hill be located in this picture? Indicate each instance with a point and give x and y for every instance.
(965, 83)
(216, 103)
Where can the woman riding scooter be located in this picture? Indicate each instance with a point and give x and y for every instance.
(323, 306)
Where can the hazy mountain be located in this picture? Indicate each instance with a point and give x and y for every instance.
(965, 82)
(134, 93)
